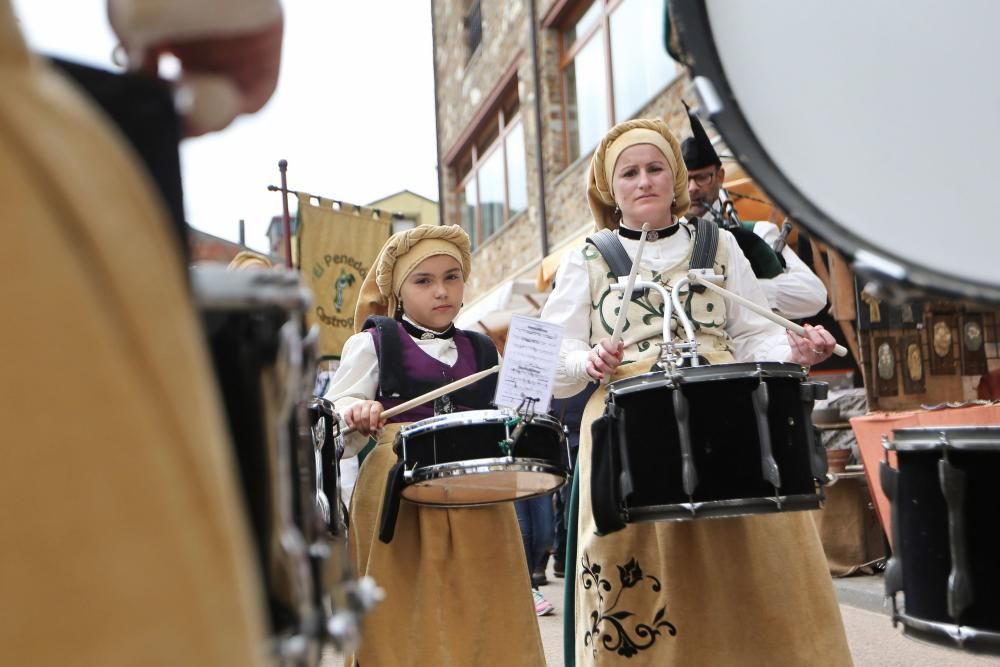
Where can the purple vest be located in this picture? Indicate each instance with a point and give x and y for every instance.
(424, 372)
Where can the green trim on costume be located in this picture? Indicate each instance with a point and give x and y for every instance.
(569, 569)
(366, 451)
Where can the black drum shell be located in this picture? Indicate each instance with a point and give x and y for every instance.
(724, 436)
(475, 435)
(457, 460)
(924, 547)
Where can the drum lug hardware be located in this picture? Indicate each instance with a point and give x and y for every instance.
(889, 480)
(960, 583)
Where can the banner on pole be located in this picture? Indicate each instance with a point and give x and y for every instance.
(337, 246)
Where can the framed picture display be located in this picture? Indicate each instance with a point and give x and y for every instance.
(972, 344)
(911, 358)
(941, 343)
(906, 315)
(884, 362)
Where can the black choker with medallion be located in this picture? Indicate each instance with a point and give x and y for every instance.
(424, 334)
(651, 235)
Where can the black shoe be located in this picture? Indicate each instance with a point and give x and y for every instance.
(538, 579)
(558, 570)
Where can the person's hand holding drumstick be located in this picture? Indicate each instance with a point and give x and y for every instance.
(815, 346)
(604, 358)
(365, 417)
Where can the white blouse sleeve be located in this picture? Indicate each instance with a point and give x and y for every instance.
(569, 305)
(755, 337)
(797, 292)
(356, 380)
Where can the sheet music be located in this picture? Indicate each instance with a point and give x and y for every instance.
(529, 363)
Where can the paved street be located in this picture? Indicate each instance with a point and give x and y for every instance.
(873, 640)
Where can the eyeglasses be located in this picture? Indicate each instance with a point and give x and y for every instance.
(702, 179)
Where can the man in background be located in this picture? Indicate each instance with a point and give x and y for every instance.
(792, 289)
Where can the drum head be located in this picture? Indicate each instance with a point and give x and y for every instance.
(483, 483)
(873, 124)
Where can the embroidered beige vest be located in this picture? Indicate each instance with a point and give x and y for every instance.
(643, 330)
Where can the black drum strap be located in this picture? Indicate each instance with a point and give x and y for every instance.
(706, 244)
(390, 504)
(481, 394)
(605, 479)
(613, 252)
(390, 354)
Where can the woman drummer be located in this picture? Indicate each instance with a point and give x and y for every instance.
(455, 580)
(751, 590)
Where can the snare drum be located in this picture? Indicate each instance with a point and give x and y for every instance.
(946, 558)
(264, 366)
(467, 458)
(712, 441)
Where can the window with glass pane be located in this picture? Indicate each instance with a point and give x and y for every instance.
(637, 66)
(639, 63)
(586, 98)
(517, 176)
(469, 211)
(491, 199)
(584, 23)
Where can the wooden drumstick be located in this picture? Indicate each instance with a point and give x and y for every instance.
(616, 335)
(695, 277)
(431, 395)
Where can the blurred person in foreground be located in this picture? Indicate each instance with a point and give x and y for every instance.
(124, 540)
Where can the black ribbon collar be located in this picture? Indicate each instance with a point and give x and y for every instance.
(651, 235)
(427, 334)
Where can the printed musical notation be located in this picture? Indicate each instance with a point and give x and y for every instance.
(529, 363)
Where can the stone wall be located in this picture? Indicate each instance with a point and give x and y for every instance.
(463, 84)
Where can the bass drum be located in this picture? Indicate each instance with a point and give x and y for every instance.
(874, 125)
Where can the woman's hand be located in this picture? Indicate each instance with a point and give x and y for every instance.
(365, 417)
(604, 359)
(816, 346)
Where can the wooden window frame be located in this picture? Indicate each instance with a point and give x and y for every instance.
(504, 127)
(561, 17)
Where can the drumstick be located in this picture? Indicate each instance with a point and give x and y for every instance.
(431, 395)
(695, 277)
(616, 335)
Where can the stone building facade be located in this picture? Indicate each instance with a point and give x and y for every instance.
(514, 148)
(488, 101)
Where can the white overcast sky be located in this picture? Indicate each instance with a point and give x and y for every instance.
(353, 113)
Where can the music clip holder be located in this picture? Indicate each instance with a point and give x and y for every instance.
(524, 414)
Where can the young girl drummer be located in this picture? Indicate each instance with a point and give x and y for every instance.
(740, 591)
(454, 579)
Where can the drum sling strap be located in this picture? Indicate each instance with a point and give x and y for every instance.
(394, 382)
(706, 242)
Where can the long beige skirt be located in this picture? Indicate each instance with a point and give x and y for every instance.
(457, 588)
(741, 591)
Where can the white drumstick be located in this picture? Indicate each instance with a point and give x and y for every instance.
(616, 335)
(695, 277)
(431, 395)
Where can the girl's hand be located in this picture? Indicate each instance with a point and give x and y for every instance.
(365, 417)
(604, 359)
